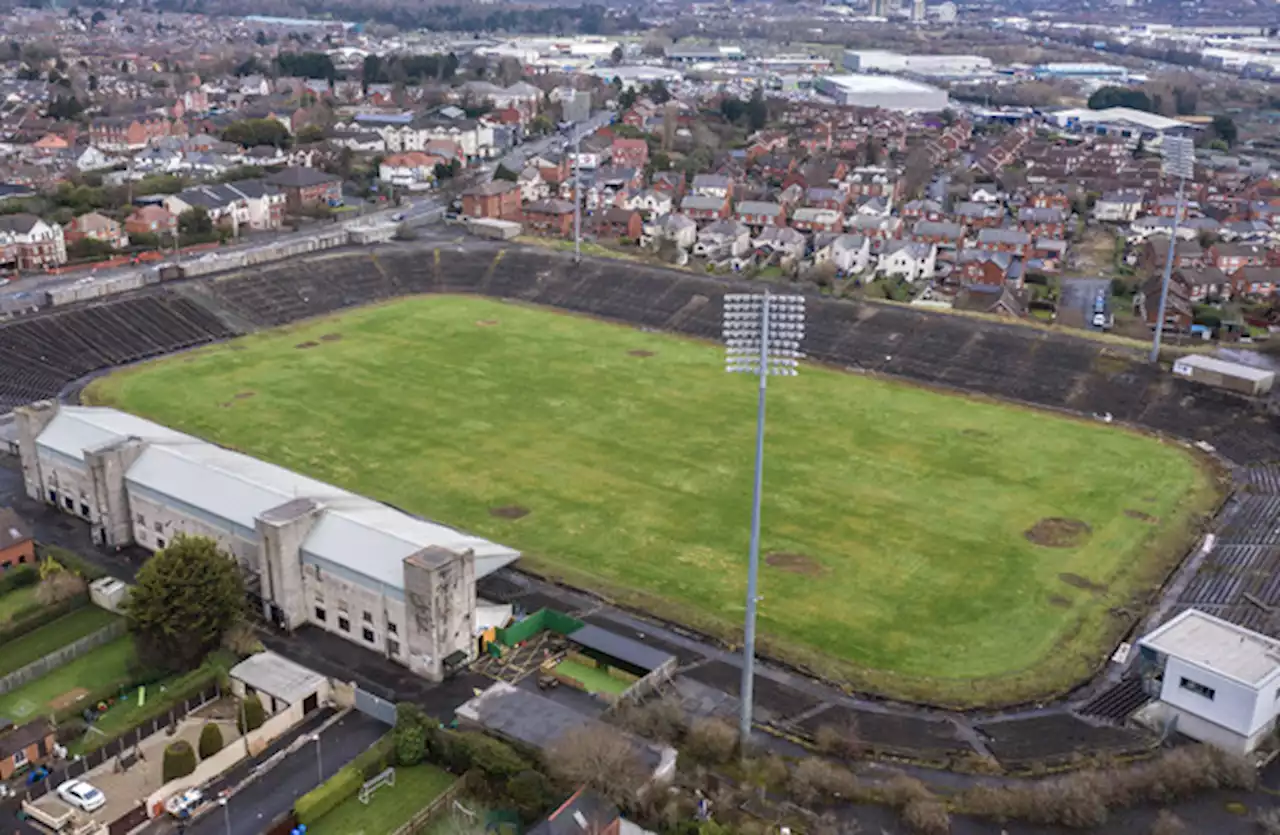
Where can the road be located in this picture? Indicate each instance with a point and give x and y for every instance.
(515, 159)
(1077, 299)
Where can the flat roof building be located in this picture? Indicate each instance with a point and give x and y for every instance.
(1216, 682)
(311, 552)
(882, 91)
(885, 61)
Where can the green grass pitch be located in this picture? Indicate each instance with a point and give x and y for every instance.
(903, 509)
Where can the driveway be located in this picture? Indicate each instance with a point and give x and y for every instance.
(1075, 308)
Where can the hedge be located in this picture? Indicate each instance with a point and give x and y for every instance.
(73, 561)
(21, 577)
(210, 740)
(30, 618)
(179, 760)
(330, 794)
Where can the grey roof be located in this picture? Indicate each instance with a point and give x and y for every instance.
(781, 236)
(758, 207)
(298, 176)
(278, 677)
(630, 652)
(1003, 236)
(549, 207)
(698, 201)
(20, 222)
(539, 722)
(364, 538)
(915, 250)
(490, 188)
(972, 209)
(13, 530)
(1122, 197)
(1031, 214)
(939, 228)
(716, 181)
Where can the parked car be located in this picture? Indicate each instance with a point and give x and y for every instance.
(81, 795)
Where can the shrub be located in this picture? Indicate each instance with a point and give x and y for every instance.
(1167, 823)
(326, 797)
(179, 760)
(816, 779)
(210, 740)
(901, 791)
(73, 561)
(71, 729)
(373, 760)
(410, 743)
(927, 817)
(662, 719)
(24, 576)
(469, 749)
(251, 714)
(769, 772)
(839, 740)
(532, 794)
(1268, 821)
(599, 758)
(712, 741)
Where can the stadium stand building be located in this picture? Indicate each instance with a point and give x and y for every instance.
(311, 552)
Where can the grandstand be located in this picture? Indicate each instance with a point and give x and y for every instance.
(41, 355)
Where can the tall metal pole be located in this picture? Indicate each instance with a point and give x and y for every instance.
(753, 560)
(226, 810)
(1179, 161)
(319, 762)
(1168, 273)
(577, 201)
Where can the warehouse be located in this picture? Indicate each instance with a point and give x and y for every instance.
(882, 91)
(312, 553)
(1233, 376)
(881, 60)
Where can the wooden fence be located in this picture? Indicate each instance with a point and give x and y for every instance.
(436, 808)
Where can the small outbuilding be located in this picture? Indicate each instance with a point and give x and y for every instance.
(1224, 374)
(279, 683)
(1214, 681)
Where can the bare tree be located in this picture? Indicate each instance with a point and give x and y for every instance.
(599, 758)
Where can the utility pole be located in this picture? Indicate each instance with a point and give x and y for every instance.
(1179, 161)
(577, 199)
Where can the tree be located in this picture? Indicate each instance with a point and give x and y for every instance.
(447, 171)
(627, 98)
(195, 222)
(310, 134)
(250, 132)
(179, 760)
(1112, 96)
(658, 92)
(409, 734)
(757, 110)
(210, 740)
(186, 597)
(601, 759)
(57, 583)
(251, 714)
(93, 83)
(1224, 127)
(98, 17)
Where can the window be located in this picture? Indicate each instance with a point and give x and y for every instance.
(142, 520)
(393, 647)
(343, 623)
(70, 503)
(1197, 688)
(367, 634)
(159, 527)
(84, 509)
(53, 496)
(320, 614)
(159, 542)
(20, 757)
(368, 617)
(391, 627)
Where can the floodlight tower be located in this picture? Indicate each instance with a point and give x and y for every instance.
(1179, 161)
(762, 335)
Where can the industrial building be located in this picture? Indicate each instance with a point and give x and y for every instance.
(882, 91)
(1081, 70)
(1214, 681)
(1120, 122)
(884, 61)
(1233, 376)
(311, 553)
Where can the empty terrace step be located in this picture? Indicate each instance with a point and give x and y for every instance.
(1117, 703)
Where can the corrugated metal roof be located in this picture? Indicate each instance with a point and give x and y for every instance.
(622, 648)
(355, 532)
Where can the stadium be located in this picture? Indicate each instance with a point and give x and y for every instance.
(922, 544)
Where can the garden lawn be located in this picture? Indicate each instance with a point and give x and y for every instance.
(14, 602)
(593, 679)
(390, 807)
(894, 520)
(93, 673)
(36, 644)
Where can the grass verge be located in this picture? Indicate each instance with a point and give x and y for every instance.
(390, 807)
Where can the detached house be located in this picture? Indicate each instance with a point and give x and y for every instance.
(723, 240)
(1118, 207)
(851, 253)
(29, 243)
(1230, 257)
(1015, 241)
(549, 217)
(938, 232)
(698, 207)
(780, 242)
(817, 220)
(912, 261)
(712, 185)
(651, 202)
(151, 220)
(306, 187)
(412, 169)
(977, 266)
(96, 227)
(629, 152)
(1048, 222)
(495, 199)
(617, 223)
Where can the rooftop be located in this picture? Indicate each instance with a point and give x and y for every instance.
(879, 84)
(278, 677)
(1212, 643)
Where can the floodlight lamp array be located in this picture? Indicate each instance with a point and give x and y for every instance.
(778, 320)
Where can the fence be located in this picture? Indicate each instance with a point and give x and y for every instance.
(122, 743)
(61, 657)
(371, 705)
(543, 619)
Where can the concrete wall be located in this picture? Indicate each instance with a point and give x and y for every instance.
(109, 507)
(156, 521)
(272, 705)
(281, 532)
(1233, 706)
(440, 593)
(30, 421)
(340, 597)
(250, 745)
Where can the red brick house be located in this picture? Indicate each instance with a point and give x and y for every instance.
(128, 133)
(631, 152)
(993, 269)
(620, 223)
(1049, 197)
(760, 213)
(1047, 222)
(1256, 281)
(151, 220)
(1005, 240)
(549, 217)
(24, 745)
(307, 187)
(1230, 257)
(17, 547)
(498, 199)
(701, 207)
(813, 219)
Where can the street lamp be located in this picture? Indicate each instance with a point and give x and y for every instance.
(762, 335)
(1179, 161)
(319, 759)
(226, 812)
